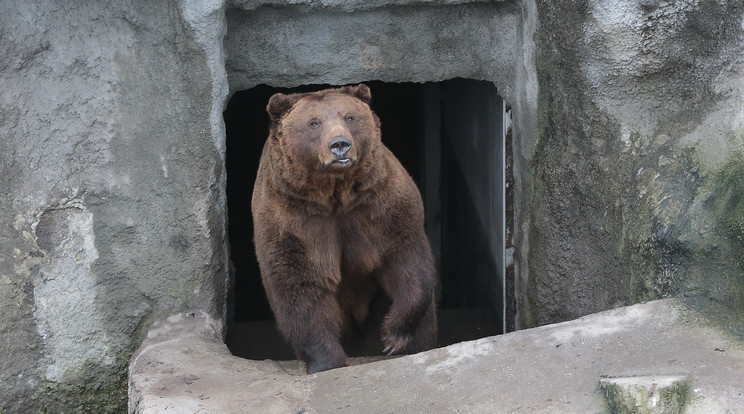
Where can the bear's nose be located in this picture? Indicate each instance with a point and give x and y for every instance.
(339, 146)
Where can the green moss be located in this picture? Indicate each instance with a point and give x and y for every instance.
(93, 387)
(726, 206)
(642, 397)
(657, 222)
(727, 199)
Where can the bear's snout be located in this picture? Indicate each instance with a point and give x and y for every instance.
(340, 147)
(341, 150)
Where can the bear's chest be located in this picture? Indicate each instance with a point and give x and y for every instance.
(351, 246)
(362, 244)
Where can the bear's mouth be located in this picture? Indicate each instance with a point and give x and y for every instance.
(336, 163)
(340, 162)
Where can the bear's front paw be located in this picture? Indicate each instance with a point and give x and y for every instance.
(395, 344)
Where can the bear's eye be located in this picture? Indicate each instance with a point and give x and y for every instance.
(349, 118)
(314, 123)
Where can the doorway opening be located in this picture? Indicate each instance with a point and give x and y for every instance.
(451, 136)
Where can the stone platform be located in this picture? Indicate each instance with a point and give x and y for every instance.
(562, 368)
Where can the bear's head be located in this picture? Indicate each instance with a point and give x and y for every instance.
(329, 131)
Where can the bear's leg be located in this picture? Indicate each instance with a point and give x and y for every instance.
(302, 292)
(425, 337)
(410, 324)
(317, 336)
(310, 318)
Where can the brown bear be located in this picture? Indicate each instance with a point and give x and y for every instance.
(338, 221)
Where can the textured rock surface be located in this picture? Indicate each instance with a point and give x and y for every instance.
(637, 169)
(661, 394)
(112, 186)
(551, 369)
(332, 46)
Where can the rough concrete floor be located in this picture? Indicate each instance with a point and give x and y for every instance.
(183, 368)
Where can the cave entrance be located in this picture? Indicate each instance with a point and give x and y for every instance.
(451, 136)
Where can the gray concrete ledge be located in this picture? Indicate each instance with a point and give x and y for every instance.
(555, 368)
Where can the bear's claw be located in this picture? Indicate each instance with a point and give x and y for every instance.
(395, 344)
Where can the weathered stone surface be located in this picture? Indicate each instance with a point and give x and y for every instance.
(637, 166)
(660, 394)
(112, 192)
(550, 369)
(291, 46)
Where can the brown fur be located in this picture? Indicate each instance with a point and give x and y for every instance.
(329, 236)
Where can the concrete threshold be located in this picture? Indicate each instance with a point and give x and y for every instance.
(183, 367)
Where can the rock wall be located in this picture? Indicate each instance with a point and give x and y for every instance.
(112, 188)
(628, 156)
(339, 44)
(637, 174)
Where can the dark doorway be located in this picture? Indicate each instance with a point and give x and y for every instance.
(450, 137)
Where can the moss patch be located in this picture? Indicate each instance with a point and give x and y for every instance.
(727, 200)
(94, 389)
(657, 219)
(646, 395)
(726, 206)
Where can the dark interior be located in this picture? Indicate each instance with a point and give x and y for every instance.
(440, 133)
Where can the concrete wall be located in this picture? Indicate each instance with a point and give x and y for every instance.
(637, 176)
(627, 157)
(112, 189)
(300, 44)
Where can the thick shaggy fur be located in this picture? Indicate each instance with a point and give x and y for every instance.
(333, 231)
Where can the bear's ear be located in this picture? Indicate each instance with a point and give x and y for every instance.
(279, 104)
(360, 92)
